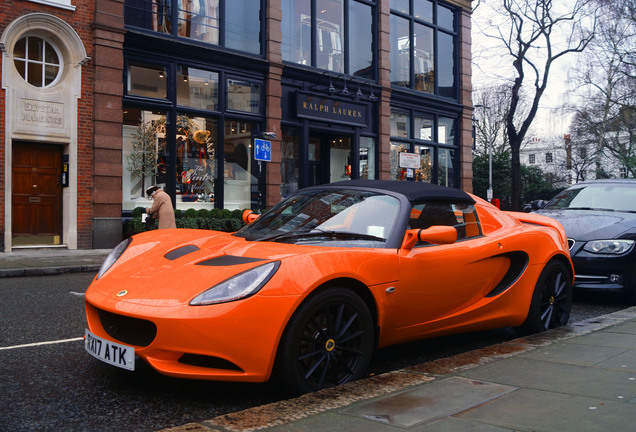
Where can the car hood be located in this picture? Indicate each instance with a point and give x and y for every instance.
(593, 224)
(167, 268)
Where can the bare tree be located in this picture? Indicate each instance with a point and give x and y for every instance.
(535, 34)
(607, 116)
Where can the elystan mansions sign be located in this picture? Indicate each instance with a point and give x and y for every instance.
(41, 114)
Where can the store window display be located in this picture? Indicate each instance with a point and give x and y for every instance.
(146, 158)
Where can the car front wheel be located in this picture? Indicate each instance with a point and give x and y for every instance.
(329, 341)
(551, 300)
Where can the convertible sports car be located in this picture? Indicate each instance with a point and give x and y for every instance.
(307, 291)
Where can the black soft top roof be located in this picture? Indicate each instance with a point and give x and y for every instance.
(414, 191)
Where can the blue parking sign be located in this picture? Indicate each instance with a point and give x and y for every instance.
(263, 150)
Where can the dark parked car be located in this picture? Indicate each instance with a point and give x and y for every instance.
(599, 218)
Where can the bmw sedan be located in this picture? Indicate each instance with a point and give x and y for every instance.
(599, 218)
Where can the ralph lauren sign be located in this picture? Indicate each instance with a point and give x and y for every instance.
(321, 108)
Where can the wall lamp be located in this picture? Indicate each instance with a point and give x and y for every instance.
(345, 91)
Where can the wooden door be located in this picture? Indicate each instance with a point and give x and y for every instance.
(37, 194)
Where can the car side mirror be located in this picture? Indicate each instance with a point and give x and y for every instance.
(438, 234)
(249, 216)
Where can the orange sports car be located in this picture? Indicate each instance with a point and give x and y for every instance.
(308, 290)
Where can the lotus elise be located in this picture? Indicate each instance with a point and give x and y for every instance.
(308, 290)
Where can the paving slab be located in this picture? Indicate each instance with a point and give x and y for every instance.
(427, 403)
(586, 381)
(545, 411)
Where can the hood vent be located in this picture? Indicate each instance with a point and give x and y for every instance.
(182, 251)
(228, 260)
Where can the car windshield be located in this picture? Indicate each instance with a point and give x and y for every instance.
(602, 196)
(338, 217)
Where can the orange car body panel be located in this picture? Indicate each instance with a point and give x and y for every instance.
(413, 293)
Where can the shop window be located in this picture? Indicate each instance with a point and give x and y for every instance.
(243, 96)
(417, 62)
(397, 172)
(425, 173)
(242, 29)
(195, 161)
(400, 52)
(436, 156)
(446, 130)
(197, 88)
(400, 124)
(334, 39)
(239, 167)
(446, 65)
(147, 80)
(424, 127)
(201, 20)
(423, 59)
(446, 167)
(37, 60)
(290, 156)
(367, 158)
(146, 158)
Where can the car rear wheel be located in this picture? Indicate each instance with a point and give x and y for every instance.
(551, 300)
(329, 341)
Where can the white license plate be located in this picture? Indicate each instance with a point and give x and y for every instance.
(119, 355)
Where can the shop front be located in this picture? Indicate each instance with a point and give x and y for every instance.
(189, 128)
(326, 137)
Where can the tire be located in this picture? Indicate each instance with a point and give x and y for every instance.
(329, 341)
(551, 300)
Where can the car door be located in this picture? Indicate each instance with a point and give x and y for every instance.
(437, 281)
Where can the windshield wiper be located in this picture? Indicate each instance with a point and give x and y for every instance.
(317, 232)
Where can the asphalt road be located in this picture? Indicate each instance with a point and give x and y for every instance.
(49, 383)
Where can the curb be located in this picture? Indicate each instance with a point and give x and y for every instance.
(48, 271)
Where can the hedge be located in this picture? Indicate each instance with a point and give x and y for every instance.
(215, 219)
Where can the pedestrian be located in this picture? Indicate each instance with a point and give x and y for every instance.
(161, 207)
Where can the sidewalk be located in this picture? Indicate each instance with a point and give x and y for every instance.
(42, 262)
(577, 378)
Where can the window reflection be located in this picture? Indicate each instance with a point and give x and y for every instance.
(201, 20)
(327, 30)
(400, 52)
(147, 80)
(240, 185)
(197, 88)
(243, 96)
(424, 59)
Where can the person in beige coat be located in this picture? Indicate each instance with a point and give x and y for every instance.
(161, 207)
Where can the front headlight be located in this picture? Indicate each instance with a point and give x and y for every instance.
(611, 247)
(237, 287)
(113, 256)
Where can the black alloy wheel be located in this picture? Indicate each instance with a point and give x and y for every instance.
(551, 300)
(329, 341)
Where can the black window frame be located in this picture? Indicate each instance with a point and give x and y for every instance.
(437, 29)
(373, 4)
(142, 10)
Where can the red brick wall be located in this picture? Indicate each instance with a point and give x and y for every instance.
(81, 20)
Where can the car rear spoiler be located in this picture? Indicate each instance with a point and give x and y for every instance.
(537, 219)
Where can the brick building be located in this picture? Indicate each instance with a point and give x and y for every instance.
(224, 103)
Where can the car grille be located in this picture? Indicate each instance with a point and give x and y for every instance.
(132, 331)
(571, 243)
